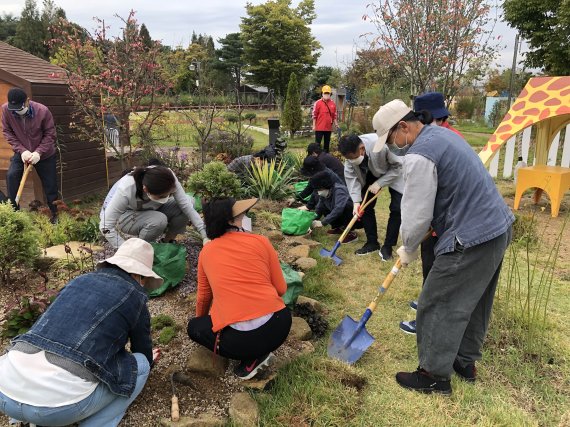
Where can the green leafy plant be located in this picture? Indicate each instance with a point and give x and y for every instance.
(26, 309)
(19, 241)
(251, 116)
(294, 159)
(270, 180)
(215, 181)
(161, 321)
(229, 141)
(167, 335)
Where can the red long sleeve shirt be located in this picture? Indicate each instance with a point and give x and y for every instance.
(240, 276)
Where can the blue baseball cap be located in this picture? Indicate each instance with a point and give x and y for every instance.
(433, 102)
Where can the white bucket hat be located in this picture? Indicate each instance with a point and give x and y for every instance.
(386, 118)
(135, 256)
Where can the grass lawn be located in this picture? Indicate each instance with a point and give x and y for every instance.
(467, 126)
(512, 389)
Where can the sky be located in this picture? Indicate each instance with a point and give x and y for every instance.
(338, 27)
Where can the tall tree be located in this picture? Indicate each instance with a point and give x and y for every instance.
(278, 41)
(50, 17)
(8, 25)
(292, 113)
(230, 59)
(145, 36)
(545, 24)
(31, 32)
(436, 45)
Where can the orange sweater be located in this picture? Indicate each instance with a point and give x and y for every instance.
(240, 275)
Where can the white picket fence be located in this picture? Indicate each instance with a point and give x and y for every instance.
(508, 154)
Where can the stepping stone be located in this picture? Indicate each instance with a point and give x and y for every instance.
(301, 251)
(316, 305)
(274, 235)
(300, 330)
(305, 263)
(303, 241)
(202, 420)
(203, 361)
(244, 411)
(59, 251)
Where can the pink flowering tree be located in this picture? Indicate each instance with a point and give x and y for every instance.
(118, 75)
(438, 45)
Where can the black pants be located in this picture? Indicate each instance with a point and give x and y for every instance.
(345, 218)
(319, 134)
(47, 171)
(368, 218)
(428, 256)
(242, 345)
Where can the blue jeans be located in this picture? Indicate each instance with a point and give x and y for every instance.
(100, 408)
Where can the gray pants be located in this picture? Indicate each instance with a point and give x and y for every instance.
(455, 305)
(150, 225)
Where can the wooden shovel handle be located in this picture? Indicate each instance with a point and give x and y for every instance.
(174, 410)
(356, 216)
(23, 183)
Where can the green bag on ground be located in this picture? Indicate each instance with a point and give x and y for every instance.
(295, 221)
(294, 285)
(299, 187)
(197, 201)
(170, 264)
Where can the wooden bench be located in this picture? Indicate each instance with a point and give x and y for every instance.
(555, 180)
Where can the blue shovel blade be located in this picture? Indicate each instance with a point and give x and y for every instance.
(330, 254)
(341, 348)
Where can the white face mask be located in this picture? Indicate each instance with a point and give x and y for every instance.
(326, 96)
(356, 161)
(323, 193)
(22, 111)
(162, 200)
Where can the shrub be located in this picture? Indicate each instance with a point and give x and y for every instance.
(465, 107)
(221, 141)
(67, 228)
(167, 335)
(270, 180)
(19, 241)
(231, 117)
(181, 163)
(294, 159)
(251, 116)
(214, 181)
(161, 321)
(292, 114)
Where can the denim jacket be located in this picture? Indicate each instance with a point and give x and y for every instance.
(91, 321)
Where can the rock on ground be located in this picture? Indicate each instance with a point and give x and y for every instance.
(305, 263)
(300, 329)
(316, 305)
(303, 241)
(244, 411)
(274, 235)
(301, 251)
(204, 362)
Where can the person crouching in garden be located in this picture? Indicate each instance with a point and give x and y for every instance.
(239, 311)
(147, 203)
(334, 203)
(72, 365)
(447, 187)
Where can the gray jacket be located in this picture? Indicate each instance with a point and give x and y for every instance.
(384, 165)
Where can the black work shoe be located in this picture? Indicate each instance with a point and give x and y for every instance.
(53, 219)
(467, 373)
(423, 381)
(386, 253)
(248, 369)
(367, 248)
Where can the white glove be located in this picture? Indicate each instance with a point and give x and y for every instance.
(407, 257)
(303, 208)
(205, 241)
(26, 155)
(375, 188)
(316, 224)
(35, 158)
(356, 209)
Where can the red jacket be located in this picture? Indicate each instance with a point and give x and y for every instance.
(35, 131)
(451, 128)
(324, 114)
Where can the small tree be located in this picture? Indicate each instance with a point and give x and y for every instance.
(293, 114)
(215, 181)
(497, 112)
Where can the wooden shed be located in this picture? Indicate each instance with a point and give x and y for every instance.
(81, 164)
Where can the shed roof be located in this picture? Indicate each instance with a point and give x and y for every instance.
(17, 65)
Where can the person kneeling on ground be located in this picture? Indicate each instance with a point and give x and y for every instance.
(72, 365)
(334, 203)
(239, 275)
(147, 203)
(448, 188)
(311, 166)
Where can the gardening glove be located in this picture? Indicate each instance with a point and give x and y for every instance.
(356, 210)
(407, 257)
(35, 158)
(375, 188)
(316, 224)
(303, 208)
(26, 155)
(205, 241)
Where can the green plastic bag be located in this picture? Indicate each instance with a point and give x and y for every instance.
(295, 221)
(294, 285)
(197, 201)
(299, 187)
(170, 264)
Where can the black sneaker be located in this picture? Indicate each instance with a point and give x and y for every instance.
(248, 369)
(422, 381)
(367, 248)
(385, 253)
(467, 373)
(408, 327)
(337, 230)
